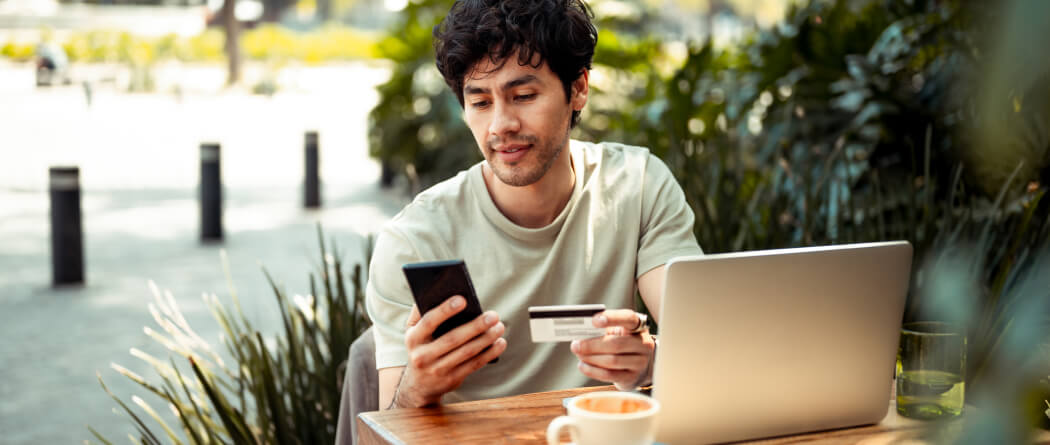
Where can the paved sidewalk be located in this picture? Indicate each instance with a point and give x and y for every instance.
(139, 167)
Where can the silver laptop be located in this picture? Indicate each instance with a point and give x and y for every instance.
(768, 343)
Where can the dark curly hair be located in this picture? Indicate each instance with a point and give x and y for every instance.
(560, 32)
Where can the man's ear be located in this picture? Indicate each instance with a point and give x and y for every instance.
(580, 88)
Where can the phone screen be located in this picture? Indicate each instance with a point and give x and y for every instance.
(434, 282)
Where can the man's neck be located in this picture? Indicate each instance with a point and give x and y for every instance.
(539, 204)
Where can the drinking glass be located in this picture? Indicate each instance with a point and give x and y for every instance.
(931, 366)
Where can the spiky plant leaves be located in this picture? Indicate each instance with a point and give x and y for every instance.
(280, 389)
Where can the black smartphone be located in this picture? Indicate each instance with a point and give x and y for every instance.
(433, 282)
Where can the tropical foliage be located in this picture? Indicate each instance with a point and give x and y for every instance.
(279, 388)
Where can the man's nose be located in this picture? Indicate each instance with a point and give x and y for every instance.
(504, 121)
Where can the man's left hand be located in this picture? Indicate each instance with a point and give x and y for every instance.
(623, 355)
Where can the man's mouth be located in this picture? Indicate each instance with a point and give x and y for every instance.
(511, 154)
(514, 148)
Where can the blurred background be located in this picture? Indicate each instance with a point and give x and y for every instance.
(787, 123)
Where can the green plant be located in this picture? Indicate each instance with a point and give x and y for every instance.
(415, 128)
(848, 123)
(285, 390)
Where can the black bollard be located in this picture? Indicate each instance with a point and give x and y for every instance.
(67, 246)
(211, 193)
(312, 180)
(386, 174)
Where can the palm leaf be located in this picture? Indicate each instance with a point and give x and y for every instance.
(233, 422)
(147, 434)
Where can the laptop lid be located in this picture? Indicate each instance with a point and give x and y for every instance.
(768, 343)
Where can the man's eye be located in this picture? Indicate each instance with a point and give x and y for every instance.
(479, 104)
(525, 96)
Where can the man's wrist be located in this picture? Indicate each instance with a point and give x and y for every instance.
(406, 397)
(396, 402)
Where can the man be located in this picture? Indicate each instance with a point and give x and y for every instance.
(541, 221)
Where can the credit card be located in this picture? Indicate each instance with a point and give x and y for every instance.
(564, 323)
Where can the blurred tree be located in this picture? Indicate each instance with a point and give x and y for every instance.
(232, 29)
(416, 129)
(324, 11)
(274, 9)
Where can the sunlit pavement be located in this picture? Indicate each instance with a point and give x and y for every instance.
(139, 165)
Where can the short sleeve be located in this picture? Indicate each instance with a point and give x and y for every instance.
(388, 298)
(667, 220)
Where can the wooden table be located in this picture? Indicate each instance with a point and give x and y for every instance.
(523, 419)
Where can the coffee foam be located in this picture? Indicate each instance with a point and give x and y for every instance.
(612, 405)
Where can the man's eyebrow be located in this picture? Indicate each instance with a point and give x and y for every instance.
(526, 79)
(469, 89)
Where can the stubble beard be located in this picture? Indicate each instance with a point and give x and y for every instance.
(519, 175)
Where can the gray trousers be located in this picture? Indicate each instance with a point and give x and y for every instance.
(360, 387)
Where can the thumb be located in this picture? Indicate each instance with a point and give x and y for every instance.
(413, 317)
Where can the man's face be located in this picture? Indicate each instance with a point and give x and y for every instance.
(520, 117)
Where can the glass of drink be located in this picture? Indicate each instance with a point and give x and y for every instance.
(931, 370)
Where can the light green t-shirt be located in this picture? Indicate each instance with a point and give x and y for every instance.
(627, 215)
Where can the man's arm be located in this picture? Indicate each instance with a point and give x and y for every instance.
(624, 356)
(651, 287)
(667, 231)
(388, 380)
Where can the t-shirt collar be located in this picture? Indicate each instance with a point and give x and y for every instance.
(496, 217)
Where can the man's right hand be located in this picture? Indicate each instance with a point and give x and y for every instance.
(437, 366)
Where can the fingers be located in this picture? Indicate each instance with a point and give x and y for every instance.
(455, 346)
(421, 331)
(613, 344)
(427, 384)
(606, 375)
(624, 318)
(413, 317)
(618, 359)
(471, 348)
(437, 366)
(617, 362)
(468, 331)
(466, 368)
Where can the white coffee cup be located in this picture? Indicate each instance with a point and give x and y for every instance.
(607, 418)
